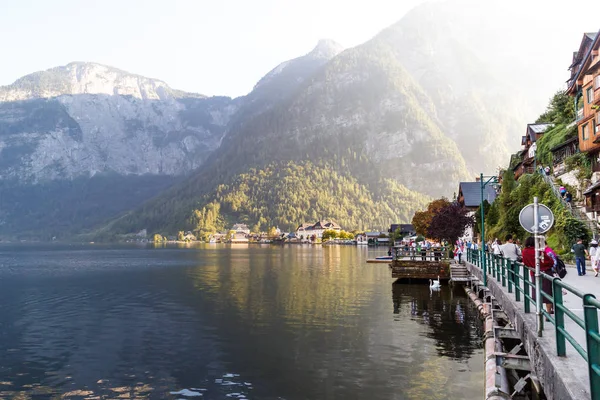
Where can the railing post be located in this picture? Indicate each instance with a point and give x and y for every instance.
(516, 270)
(590, 317)
(503, 266)
(509, 274)
(526, 295)
(559, 318)
(499, 265)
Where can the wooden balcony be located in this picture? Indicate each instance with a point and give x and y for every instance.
(523, 169)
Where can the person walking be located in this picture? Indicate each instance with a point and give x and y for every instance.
(580, 254)
(496, 247)
(546, 265)
(562, 191)
(568, 198)
(510, 250)
(458, 252)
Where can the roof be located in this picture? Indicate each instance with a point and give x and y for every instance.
(564, 144)
(471, 192)
(581, 59)
(539, 128)
(536, 129)
(592, 188)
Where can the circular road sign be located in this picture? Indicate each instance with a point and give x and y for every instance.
(544, 222)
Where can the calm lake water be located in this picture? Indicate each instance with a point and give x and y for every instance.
(228, 322)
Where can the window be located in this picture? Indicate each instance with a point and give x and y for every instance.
(597, 82)
(585, 132)
(590, 95)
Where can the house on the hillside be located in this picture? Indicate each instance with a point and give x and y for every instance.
(526, 164)
(584, 86)
(469, 196)
(561, 152)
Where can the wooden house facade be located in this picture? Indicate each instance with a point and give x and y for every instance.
(584, 86)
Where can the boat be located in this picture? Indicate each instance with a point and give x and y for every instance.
(381, 259)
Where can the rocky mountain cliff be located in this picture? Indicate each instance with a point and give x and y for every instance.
(84, 119)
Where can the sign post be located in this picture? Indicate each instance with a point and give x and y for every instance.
(537, 219)
(538, 278)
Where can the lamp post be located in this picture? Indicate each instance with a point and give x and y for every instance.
(494, 181)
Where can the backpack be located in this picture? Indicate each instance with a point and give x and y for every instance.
(560, 269)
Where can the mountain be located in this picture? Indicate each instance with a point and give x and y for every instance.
(61, 127)
(85, 118)
(365, 136)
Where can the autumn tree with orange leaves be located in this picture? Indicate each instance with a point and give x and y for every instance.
(422, 219)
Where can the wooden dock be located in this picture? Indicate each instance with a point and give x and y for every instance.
(423, 265)
(375, 261)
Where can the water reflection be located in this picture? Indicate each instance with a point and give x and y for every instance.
(453, 321)
(228, 322)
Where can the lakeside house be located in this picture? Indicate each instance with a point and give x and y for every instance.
(377, 238)
(241, 228)
(361, 239)
(239, 234)
(189, 236)
(309, 231)
(405, 229)
(584, 87)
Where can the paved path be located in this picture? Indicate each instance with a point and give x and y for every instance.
(587, 284)
(572, 369)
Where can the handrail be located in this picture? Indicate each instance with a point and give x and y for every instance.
(557, 194)
(510, 273)
(424, 254)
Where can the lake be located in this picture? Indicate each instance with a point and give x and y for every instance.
(228, 322)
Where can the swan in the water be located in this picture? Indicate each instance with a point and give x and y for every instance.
(435, 284)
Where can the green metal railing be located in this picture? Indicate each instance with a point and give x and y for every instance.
(516, 278)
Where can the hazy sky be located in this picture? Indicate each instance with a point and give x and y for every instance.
(224, 47)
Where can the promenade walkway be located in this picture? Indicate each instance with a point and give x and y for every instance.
(566, 358)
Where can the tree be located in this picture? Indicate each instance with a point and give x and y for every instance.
(158, 238)
(180, 236)
(422, 219)
(477, 224)
(449, 223)
(272, 232)
(396, 235)
(329, 234)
